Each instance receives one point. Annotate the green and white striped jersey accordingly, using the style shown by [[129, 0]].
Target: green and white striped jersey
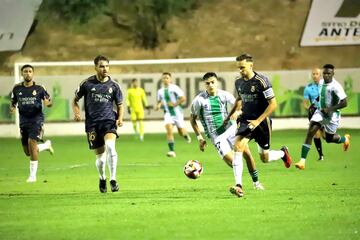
[[330, 94], [212, 110], [170, 94]]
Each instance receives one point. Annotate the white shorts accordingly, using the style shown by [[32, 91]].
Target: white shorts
[[224, 143], [177, 120], [330, 124]]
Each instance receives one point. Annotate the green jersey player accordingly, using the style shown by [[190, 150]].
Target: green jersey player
[[210, 107], [332, 98]]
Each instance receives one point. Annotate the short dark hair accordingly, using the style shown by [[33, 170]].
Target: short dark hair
[[209, 75], [166, 73], [246, 57], [27, 66], [329, 66], [134, 80], [100, 58]]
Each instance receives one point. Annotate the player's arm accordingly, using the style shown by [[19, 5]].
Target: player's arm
[[179, 101], [268, 111], [76, 109], [194, 125], [120, 114], [13, 102]]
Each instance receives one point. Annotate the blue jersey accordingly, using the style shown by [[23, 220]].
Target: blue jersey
[[311, 93], [29, 102], [99, 99], [254, 94]]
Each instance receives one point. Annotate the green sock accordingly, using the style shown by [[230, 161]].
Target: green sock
[[342, 140], [254, 175], [171, 146], [305, 150]]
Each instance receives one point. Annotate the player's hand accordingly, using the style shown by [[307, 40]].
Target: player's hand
[[12, 109], [226, 121], [253, 124], [77, 117], [202, 144], [119, 122], [171, 104], [156, 108], [47, 102]]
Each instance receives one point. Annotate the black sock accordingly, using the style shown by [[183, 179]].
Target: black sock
[[317, 142]]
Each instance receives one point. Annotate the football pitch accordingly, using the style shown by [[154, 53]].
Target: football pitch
[[157, 201]]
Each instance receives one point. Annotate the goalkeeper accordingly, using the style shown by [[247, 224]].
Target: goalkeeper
[[136, 102]]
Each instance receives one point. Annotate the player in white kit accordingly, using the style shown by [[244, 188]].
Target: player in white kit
[[170, 97], [210, 107], [332, 98]]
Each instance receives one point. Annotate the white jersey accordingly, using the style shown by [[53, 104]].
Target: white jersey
[[170, 94], [330, 94], [212, 110]]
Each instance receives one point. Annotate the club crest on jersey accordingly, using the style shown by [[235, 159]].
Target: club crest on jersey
[[34, 92], [93, 89], [206, 107], [20, 93], [252, 89], [110, 90]]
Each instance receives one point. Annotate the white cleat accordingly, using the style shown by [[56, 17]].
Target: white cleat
[[31, 179], [258, 186], [171, 154], [50, 149]]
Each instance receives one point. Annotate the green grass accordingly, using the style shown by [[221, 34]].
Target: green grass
[[157, 201]]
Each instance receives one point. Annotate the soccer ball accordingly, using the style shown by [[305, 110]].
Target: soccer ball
[[193, 169]]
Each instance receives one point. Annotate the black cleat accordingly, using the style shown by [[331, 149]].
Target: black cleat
[[114, 186], [102, 186]]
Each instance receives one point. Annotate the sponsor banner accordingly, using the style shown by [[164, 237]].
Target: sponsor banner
[[288, 87], [332, 22]]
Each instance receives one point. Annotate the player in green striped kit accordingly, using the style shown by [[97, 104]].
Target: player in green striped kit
[[210, 107], [332, 98], [170, 97]]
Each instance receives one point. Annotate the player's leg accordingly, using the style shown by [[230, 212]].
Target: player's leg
[[133, 121], [318, 145], [250, 162], [262, 135], [332, 137], [170, 140], [239, 148], [305, 148], [34, 156], [112, 158], [46, 146], [96, 143], [140, 117], [179, 122]]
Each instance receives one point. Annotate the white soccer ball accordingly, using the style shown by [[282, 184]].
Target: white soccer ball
[[193, 169]]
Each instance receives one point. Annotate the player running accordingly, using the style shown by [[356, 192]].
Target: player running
[[29, 98], [100, 93], [210, 106], [257, 101], [332, 98], [170, 97]]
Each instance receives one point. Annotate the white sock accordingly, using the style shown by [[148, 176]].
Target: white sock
[[100, 165], [43, 146], [238, 167], [33, 168], [111, 157], [275, 155]]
